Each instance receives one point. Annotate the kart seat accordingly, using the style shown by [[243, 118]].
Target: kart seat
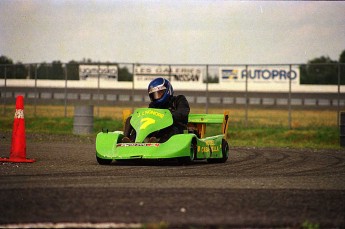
[[197, 128]]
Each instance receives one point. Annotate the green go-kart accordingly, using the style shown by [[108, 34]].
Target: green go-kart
[[185, 148]]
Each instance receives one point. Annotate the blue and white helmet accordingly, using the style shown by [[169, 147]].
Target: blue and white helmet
[[160, 91]]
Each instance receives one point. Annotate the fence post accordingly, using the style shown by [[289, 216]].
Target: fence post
[[206, 105], [246, 109], [338, 105], [65, 90], [289, 99], [98, 88], [133, 86], [35, 101], [170, 72], [5, 86]]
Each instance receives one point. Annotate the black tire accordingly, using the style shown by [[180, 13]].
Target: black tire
[[225, 154], [189, 160], [102, 161]]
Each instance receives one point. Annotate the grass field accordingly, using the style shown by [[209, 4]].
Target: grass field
[[265, 128]]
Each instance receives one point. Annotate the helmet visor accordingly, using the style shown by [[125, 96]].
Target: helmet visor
[[157, 95]]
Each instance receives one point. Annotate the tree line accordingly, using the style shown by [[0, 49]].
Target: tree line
[[322, 70], [55, 70]]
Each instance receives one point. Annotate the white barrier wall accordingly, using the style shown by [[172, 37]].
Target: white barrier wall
[[111, 84]]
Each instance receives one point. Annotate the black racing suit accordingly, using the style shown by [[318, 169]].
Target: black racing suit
[[179, 108]]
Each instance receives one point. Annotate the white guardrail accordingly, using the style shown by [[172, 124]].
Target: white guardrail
[[111, 84]]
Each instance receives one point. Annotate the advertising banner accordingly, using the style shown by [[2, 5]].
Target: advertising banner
[[92, 72], [259, 74], [174, 74]]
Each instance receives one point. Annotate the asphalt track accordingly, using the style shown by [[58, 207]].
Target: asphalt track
[[256, 187]]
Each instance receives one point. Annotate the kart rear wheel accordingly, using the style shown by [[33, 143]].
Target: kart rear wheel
[[102, 161], [225, 154], [192, 156]]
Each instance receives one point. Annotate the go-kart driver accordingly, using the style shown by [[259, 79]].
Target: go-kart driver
[[161, 94]]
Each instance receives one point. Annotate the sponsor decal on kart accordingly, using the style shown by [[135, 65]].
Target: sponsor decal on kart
[[208, 149], [151, 112], [137, 144]]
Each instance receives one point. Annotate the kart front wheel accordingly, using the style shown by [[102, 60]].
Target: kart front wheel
[[102, 161]]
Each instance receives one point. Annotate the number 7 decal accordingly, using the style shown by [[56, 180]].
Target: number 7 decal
[[146, 122]]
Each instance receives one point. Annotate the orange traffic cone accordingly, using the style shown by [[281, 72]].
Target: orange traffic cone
[[18, 147]]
